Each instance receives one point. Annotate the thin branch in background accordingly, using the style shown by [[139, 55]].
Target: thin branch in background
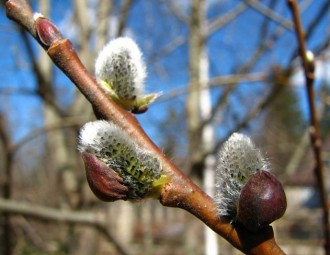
[[7, 165], [219, 81], [221, 21], [259, 107], [45, 213], [174, 8], [324, 9], [126, 7], [44, 90], [308, 64], [265, 44], [212, 27], [22, 224], [104, 10], [270, 14], [66, 122]]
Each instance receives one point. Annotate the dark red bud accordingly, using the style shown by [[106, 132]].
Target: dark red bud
[[105, 183], [47, 32], [261, 202]]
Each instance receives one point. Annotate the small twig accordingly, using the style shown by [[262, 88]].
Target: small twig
[[309, 66], [180, 192]]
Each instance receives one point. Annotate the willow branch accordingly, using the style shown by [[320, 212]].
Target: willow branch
[[180, 192], [309, 66]]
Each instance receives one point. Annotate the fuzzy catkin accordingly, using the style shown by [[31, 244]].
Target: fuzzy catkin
[[109, 143], [120, 64], [238, 159]]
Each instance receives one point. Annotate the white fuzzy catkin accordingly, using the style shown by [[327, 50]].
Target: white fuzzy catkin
[[238, 159], [110, 144], [120, 64]]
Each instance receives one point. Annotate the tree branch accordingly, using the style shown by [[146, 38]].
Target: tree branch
[[126, 7], [308, 63], [220, 81], [45, 213], [270, 14], [65, 122], [180, 192], [226, 18], [6, 185]]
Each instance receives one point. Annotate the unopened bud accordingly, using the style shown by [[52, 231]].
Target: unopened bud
[[105, 183], [47, 32], [261, 202]]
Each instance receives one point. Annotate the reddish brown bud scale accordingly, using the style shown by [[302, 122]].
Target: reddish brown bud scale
[[105, 183], [261, 202], [47, 32]]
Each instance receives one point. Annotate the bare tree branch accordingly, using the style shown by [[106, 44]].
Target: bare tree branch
[[174, 8], [45, 213], [308, 63], [65, 122], [211, 28], [126, 7], [270, 14], [6, 185], [259, 107], [219, 81], [31, 233], [226, 18], [44, 88], [102, 28]]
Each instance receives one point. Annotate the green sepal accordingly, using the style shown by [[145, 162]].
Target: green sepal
[[137, 105]]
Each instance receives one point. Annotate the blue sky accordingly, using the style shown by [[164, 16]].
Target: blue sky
[[153, 30]]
